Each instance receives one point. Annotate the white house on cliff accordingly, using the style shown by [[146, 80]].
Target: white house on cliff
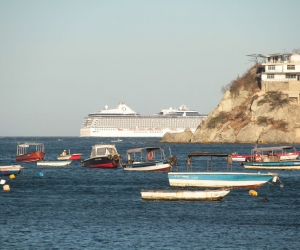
[[282, 73]]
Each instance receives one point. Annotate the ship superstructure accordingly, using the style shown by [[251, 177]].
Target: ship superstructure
[[125, 122]]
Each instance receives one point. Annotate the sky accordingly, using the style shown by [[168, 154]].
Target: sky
[[63, 59]]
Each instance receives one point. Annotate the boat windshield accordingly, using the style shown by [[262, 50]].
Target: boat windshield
[[102, 151], [111, 150]]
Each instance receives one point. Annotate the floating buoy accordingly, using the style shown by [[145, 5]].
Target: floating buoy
[[6, 188], [2, 181], [253, 193], [12, 176], [41, 174]]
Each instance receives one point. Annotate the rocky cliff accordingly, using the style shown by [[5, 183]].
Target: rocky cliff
[[246, 114]]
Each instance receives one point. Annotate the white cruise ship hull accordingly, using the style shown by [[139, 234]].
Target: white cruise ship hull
[[113, 132], [124, 122]]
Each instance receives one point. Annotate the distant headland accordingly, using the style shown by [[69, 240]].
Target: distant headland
[[262, 106]]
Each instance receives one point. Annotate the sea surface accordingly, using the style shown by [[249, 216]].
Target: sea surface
[[80, 208]]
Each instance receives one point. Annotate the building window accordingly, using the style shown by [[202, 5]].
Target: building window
[[290, 76], [271, 67], [291, 67], [270, 76]]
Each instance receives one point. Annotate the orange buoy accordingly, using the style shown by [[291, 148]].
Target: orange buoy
[[150, 155], [6, 187], [253, 193]]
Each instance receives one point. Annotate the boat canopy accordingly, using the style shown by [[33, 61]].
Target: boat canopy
[[209, 157], [272, 149], [23, 148], [137, 150]]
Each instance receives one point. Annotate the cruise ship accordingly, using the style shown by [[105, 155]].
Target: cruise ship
[[125, 122]]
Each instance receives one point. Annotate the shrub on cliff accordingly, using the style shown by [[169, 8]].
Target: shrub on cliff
[[276, 99], [222, 117], [248, 82]]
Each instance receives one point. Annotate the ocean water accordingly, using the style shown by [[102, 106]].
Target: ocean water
[[80, 208]]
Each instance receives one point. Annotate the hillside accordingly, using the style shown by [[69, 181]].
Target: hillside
[[246, 114]]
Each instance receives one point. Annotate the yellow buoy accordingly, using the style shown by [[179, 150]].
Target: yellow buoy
[[253, 193], [12, 176], [6, 187]]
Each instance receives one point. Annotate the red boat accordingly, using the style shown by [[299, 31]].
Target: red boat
[[240, 158], [72, 157], [284, 153], [30, 152]]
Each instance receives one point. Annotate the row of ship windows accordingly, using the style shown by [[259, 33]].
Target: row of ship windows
[[131, 125], [141, 126], [144, 123], [153, 131], [289, 67], [120, 129]]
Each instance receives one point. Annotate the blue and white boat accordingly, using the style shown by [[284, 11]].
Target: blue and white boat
[[11, 169], [212, 179], [277, 165]]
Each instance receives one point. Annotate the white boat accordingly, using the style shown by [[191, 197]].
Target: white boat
[[53, 163], [195, 195], [125, 122], [149, 159], [119, 140]]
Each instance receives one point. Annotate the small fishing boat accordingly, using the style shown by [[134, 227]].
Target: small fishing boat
[[71, 157], [186, 195], [102, 156], [278, 153], [119, 140], [277, 165], [53, 163], [30, 152], [11, 169], [211, 179], [150, 159]]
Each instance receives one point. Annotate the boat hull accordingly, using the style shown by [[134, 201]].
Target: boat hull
[[72, 157], [114, 132], [53, 163], [8, 170], [174, 195], [148, 167], [31, 157], [281, 165], [240, 158], [99, 162], [218, 179]]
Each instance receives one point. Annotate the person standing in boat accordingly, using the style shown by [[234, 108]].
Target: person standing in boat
[[63, 153]]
